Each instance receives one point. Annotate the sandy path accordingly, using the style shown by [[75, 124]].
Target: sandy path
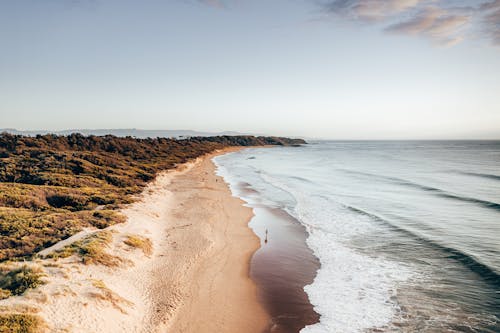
[[70, 240]]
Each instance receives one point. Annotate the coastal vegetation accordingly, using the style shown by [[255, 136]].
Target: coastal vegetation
[[52, 187], [107, 295], [20, 323], [141, 243], [16, 281], [91, 249]]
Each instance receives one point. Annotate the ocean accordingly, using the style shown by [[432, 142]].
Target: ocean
[[378, 236]]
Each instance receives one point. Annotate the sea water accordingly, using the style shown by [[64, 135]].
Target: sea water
[[407, 233]]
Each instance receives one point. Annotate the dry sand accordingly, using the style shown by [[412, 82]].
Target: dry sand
[[196, 280]]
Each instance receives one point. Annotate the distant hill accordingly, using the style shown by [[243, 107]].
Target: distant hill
[[133, 132]]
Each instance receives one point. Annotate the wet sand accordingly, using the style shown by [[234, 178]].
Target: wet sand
[[281, 268]]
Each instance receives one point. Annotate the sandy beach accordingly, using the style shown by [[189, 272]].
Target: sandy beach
[[196, 279], [209, 234]]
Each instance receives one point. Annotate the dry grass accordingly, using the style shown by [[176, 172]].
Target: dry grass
[[140, 242], [4, 294], [106, 294], [20, 323], [25, 232], [91, 249], [39, 296], [63, 291], [52, 265], [20, 319], [19, 308]]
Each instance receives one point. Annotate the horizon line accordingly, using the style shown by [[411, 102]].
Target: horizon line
[[237, 133]]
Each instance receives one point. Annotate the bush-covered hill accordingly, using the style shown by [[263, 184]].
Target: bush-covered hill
[[53, 186]]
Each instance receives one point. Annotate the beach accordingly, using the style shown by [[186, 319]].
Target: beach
[[211, 232], [282, 240], [195, 279]]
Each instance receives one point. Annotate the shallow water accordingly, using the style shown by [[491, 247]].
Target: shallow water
[[407, 233]]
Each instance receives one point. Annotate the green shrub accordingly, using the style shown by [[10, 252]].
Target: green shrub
[[68, 201], [19, 280]]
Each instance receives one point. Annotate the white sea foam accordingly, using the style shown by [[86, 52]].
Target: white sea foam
[[352, 291], [366, 257]]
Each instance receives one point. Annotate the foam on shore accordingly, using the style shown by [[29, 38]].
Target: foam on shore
[[352, 292]]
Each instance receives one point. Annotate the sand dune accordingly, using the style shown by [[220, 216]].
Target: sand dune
[[195, 280]]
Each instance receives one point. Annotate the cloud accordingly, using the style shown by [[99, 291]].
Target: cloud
[[369, 10], [444, 22], [417, 24], [434, 23], [491, 20]]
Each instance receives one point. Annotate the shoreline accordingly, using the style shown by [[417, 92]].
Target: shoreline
[[283, 264], [282, 267], [195, 280]]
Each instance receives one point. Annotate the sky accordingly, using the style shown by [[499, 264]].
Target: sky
[[337, 69]]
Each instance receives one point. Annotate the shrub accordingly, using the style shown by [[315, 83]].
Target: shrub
[[68, 201], [92, 250], [140, 242], [20, 279], [20, 323], [4, 294]]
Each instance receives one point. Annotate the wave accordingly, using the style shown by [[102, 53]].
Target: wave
[[484, 203], [356, 289], [352, 292], [481, 175], [437, 191], [448, 195], [302, 179], [487, 273]]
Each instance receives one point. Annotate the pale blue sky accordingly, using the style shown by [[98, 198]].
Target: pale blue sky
[[345, 69]]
